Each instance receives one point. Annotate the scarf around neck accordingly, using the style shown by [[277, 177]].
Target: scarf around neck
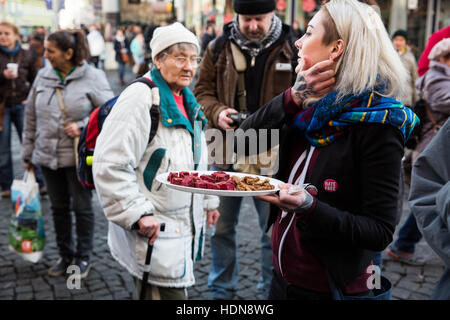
[[255, 48], [11, 52], [169, 111], [327, 118]]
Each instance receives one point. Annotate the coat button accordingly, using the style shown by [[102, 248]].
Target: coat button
[[203, 117], [197, 145], [169, 120], [177, 230]]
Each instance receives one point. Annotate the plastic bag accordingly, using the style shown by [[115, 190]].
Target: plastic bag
[[26, 227]]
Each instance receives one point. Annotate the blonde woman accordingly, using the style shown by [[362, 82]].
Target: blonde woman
[[343, 133]]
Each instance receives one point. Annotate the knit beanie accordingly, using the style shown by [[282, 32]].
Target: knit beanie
[[253, 6], [440, 49], [164, 37], [401, 33]]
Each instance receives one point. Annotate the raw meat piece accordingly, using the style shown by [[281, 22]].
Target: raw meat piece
[[201, 184], [208, 178], [211, 185], [177, 181], [188, 181], [225, 185]]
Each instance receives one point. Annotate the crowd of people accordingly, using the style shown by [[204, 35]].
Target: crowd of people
[[344, 113]]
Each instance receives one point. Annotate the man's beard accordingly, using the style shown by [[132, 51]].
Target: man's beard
[[256, 36]]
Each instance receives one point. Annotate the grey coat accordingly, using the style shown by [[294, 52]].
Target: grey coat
[[434, 87], [429, 199], [45, 141]]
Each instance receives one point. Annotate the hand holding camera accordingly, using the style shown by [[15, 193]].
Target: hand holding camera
[[231, 119]]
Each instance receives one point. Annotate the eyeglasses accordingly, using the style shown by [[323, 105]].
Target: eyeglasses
[[180, 61]]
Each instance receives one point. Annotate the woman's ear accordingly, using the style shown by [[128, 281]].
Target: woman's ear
[[69, 54], [337, 50], [157, 62]]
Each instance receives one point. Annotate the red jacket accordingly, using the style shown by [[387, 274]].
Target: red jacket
[[422, 66]]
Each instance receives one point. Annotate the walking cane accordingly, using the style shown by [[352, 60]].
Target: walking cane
[[148, 259]]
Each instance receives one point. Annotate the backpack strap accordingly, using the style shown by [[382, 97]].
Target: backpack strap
[[154, 109], [218, 45]]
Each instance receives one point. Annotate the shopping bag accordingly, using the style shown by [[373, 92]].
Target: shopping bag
[[26, 227]]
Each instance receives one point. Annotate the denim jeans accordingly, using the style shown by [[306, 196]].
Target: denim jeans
[[13, 116], [121, 70], [62, 187], [224, 273], [409, 235]]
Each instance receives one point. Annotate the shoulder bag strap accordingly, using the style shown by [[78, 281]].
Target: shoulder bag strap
[[61, 104], [240, 63]]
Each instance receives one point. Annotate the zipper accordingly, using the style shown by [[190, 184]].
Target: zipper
[[282, 242], [160, 184], [13, 81], [300, 181]]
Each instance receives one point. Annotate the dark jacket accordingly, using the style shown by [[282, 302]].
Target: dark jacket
[[217, 78], [16, 90], [118, 47], [346, 227]]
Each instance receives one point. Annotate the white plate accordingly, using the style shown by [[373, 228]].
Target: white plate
[[224, 193]]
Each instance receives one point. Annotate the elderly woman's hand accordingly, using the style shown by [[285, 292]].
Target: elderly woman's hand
[[149, 227], [313, 81], [72, 130]]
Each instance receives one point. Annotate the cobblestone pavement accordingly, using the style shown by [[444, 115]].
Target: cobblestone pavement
[[107, 280]]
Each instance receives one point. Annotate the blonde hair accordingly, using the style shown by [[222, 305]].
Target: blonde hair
[[369, 57]]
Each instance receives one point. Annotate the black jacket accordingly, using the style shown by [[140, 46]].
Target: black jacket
[[118, 48], [16, 90], [349, 226]]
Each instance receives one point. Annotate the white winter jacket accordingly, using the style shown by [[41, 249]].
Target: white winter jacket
[[124, 168]]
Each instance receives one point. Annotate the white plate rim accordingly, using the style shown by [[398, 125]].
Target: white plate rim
[[162, 178]]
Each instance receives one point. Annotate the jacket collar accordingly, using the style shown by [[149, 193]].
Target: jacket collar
[[170, 114], [50, 74], [286, 33]]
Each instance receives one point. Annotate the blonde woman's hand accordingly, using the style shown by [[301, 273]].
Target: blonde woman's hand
[[72, 130], [313, 81], [212, 216], [285, 201]]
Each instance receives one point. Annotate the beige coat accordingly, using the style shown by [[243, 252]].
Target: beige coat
[[409, 61]]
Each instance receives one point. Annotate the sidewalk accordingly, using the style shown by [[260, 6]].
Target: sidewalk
[[107, 280]]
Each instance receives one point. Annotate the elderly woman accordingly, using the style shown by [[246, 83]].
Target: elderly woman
[[342, 133], [125, 166], [51, 125]]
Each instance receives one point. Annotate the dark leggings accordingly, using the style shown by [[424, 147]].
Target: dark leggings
[[67, 194]]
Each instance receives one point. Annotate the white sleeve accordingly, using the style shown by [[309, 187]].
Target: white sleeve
[[119, 149]]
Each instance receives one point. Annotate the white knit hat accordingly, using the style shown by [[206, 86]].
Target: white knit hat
[[440, 49], [164, 37]]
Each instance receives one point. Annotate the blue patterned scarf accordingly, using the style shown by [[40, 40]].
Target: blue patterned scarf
[[326, 119]]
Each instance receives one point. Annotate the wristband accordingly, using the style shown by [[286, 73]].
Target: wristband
[[306, 205]]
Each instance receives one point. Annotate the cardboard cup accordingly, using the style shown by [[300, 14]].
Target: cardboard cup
[[14, 67]]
